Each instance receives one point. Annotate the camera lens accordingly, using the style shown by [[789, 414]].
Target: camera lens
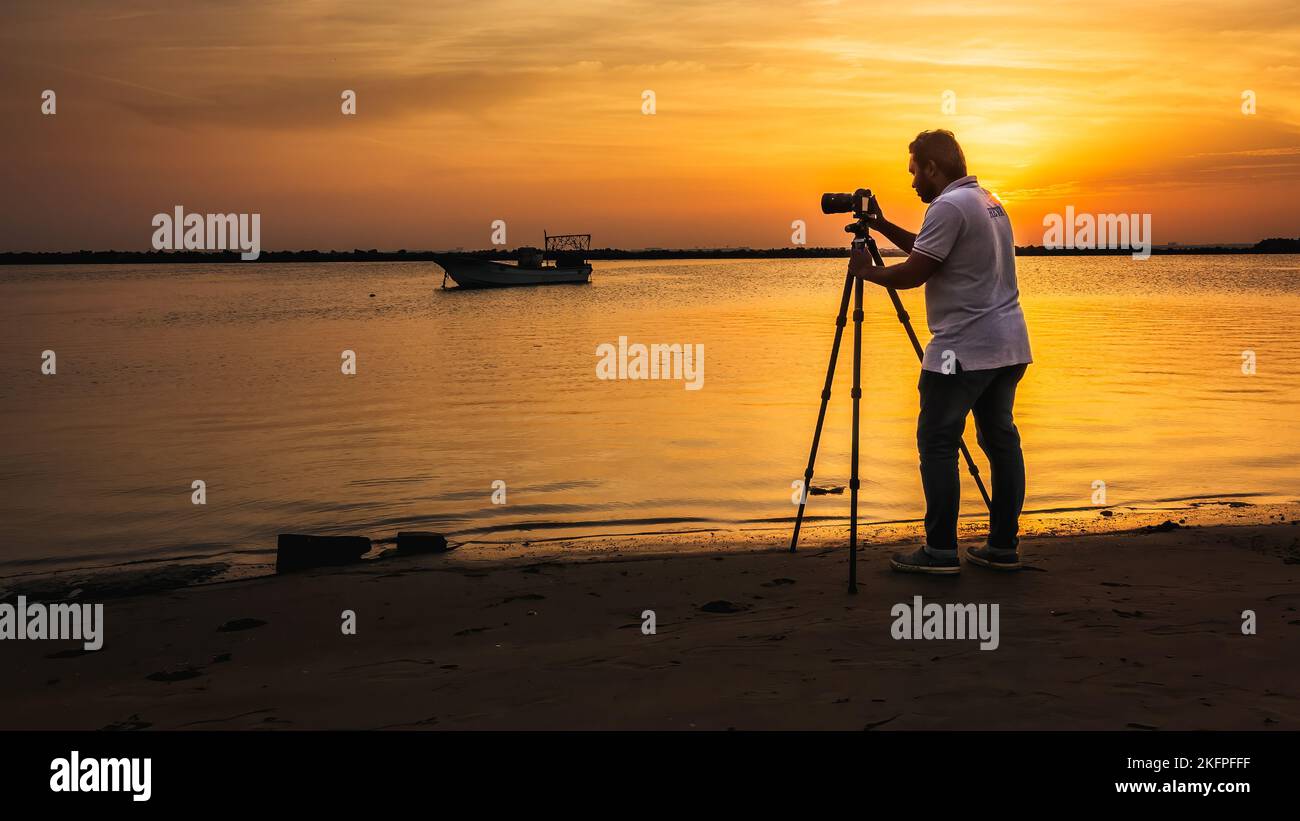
[[837, 203]]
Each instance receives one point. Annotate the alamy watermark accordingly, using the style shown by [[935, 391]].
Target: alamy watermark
[[1098, 231], [77, 774], [180, 231], [656, 361], [946, 621], [82, 622]]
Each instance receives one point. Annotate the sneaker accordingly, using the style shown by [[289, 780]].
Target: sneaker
[[921, 561], [994, 559]]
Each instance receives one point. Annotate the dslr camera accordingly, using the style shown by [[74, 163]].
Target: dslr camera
[[860, 203]]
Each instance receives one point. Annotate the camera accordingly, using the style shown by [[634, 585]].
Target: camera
[[859, 203]]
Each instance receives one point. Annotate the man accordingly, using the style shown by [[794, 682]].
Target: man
[[978, 351]]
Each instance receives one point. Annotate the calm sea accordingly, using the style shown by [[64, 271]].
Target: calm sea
[[231, 375]]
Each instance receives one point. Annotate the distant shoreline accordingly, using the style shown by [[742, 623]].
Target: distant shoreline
[[1266, 246]]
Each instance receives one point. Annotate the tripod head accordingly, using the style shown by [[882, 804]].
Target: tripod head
[[861, 232], [864, 207]]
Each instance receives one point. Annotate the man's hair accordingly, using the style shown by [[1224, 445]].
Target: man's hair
[[940, 146]]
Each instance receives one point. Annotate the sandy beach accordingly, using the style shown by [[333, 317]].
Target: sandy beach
[[1131, 621]]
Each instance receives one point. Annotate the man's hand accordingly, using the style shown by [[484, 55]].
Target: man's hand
[[910, 273], [875, 218], [861, 263]]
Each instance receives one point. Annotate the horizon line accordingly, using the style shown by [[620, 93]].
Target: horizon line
[[611, 249]]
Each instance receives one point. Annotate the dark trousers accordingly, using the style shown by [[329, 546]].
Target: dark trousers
[[945, 401]]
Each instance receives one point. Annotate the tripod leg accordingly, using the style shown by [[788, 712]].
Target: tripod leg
[[853, 470], [920, 354], [821, 413]]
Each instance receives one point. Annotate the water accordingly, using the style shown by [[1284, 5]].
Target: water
[[231, 375]]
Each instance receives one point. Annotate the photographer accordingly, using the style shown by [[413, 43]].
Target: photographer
[[978, 351]]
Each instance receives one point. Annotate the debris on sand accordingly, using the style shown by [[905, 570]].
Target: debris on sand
[[177, 674], [724, 606], [134, 722], [816, 490], [421, 541], [301, 551], [1163, 527], [240, 624]]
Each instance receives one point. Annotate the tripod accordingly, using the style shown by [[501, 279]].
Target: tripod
[[861, 239]]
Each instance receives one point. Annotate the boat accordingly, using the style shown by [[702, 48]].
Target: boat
[[563, 260]]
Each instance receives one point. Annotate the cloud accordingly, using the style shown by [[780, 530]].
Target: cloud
[[221, 100]]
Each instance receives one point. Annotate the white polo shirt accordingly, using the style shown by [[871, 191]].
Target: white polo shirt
[[972, 303]]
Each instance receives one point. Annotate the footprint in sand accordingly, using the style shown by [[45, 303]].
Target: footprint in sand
[[723, 606], [176, 674], [69, 654], [240, 624], [132, 723], [521, 597]]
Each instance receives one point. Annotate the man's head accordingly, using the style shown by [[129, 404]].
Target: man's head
[[936, 160]]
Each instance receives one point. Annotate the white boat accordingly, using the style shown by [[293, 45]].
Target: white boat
[[563, 261]]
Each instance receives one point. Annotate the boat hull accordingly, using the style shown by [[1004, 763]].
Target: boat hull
[[473, 272]]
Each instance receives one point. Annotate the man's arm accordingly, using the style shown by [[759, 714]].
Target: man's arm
[[901, 237], [910, 273]]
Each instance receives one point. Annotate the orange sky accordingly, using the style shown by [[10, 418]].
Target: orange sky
[[531, 112]]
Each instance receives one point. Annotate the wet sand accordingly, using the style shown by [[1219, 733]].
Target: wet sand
[[1136, 628]]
